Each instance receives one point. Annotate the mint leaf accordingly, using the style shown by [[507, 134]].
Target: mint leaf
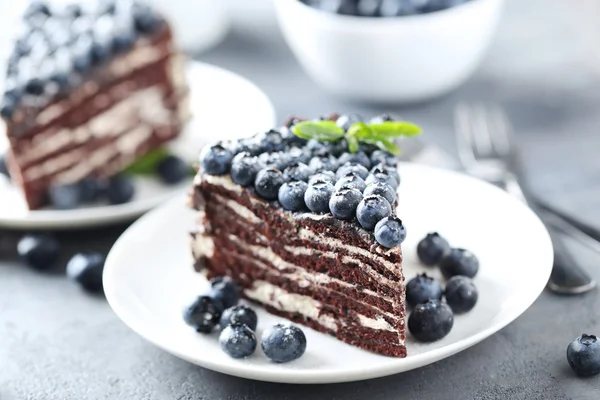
[[388, 146], [146, 164], [323, 131], [395, 129], [353, 144]]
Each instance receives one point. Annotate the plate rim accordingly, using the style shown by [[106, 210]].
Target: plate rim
[[294, 376]]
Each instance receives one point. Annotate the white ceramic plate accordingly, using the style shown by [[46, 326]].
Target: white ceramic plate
[[148, 279], [216, 96]]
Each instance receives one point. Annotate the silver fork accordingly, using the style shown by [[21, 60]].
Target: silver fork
[[486, 150]]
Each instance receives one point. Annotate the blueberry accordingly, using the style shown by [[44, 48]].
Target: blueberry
[[73, 11], [248, 145], [267, 183], [368, 8], [347, 168], [278, 160], [459, 262], [203, 314], [430, 321], [345, 121], [359, 157], [244, 168], [7, 108], [351, 180], [120, 189], [35, 87], [290, 139], [239, 315], [283, 343], [299, 155], [172, 170], [216, 159], [224, 290], [323, 176], [100, 52], [86, 269], [438, 5], [383, 190], [461, 294], [90, 189], [383, 157], [393, 8], [123, 39], [39, 251], [37, 8], [317, 197], [422, 288], [390, 232], [291, 195], [381, 119], [432, 248], [346, 7], [297, 171], [383, 178], [65, 197], [238, 341], [3, 167], [343, 203], [371, 210], [82, 53], [145, 21], [271, 141], [386, 169], [316, 147], [583, 355], [323, 163]]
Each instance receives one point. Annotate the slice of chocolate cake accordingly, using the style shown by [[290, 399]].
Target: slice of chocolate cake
[[89, 88], [307, 228]]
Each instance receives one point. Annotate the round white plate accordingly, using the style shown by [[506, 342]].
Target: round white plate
[[148, 279], [224, 106]]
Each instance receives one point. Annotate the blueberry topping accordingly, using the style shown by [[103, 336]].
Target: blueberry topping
[[343, 203], [3, 167], [224, 290], [146, 22], [248, 145], [291, 195], [73, 11], [37, 8], [271, 141], [323, 163], [244, 169], [297, 171], [371, 210], [351, 180], [283, 343], [359, 157], [432, 248], [381, 189], [238, 341], [203, 314], [91, 189], [299, 155], [347, 168], [386, 169], [316, 147], [82, 53], [216, 159], [279, 160], [379, 119], [344, 121], [290, 139], [7, 108], [35, 87], [317, 197], [390, 232], [239, 315], [39, 251], [430, 321], [383, 157], [459, 262], [583, 355], [172, 170], [86, 269], [267, 183], [120, 189], [123, 39], [323, 176], [461, 294], [384, 178], [65, 197], [422, 288]]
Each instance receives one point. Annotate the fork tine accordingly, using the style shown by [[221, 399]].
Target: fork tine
[[463, 135], [502, 137], [481, 131]]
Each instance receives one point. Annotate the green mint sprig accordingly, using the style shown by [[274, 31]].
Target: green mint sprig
[[380, 134]]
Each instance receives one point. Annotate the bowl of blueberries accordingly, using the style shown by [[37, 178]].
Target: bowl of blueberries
[[388, 51]]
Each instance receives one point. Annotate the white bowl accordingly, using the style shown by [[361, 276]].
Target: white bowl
[[399, 59]]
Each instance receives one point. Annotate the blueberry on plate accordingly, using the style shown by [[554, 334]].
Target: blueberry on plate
[[430, 321], [65, 197], [291, 195], [359, 157], [203, 314], [216, 159], [422, 288], [351, 180], [297, 171], [86, 269], [271, 141], [459, 262], [317, 197], [381, 189], [432, 248], [267, 183], [225, 290], [383, 157], [347, 168], [172, 170], [371, 210], [244, 168], [238, 341], [91, 189], [345, 121], [39, 251], [120, 189], [323, 176], [383, 178], [239, 315], [390, 232], [283, 343], [3, 167], [461, 294], [343, 203], [583, 355], [323, 163]]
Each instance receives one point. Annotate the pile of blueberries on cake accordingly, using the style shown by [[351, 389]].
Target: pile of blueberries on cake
[[382, 8], [315, 176]]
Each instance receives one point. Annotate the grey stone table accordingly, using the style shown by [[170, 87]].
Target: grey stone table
[[57, 343]]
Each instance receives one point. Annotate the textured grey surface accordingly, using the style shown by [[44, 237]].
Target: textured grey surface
[[57, 343]]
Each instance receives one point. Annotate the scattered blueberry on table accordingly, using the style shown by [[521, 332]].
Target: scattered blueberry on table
[[65, 197], [422, 288], [430, 321], [459, 262], [461, 294], [583, 355], [39, 251], [203, 314], [432, 248], [382, 8], [238, 340], [120, 189], [172, 170], [86, 269], [239, 314], [283, 343]]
